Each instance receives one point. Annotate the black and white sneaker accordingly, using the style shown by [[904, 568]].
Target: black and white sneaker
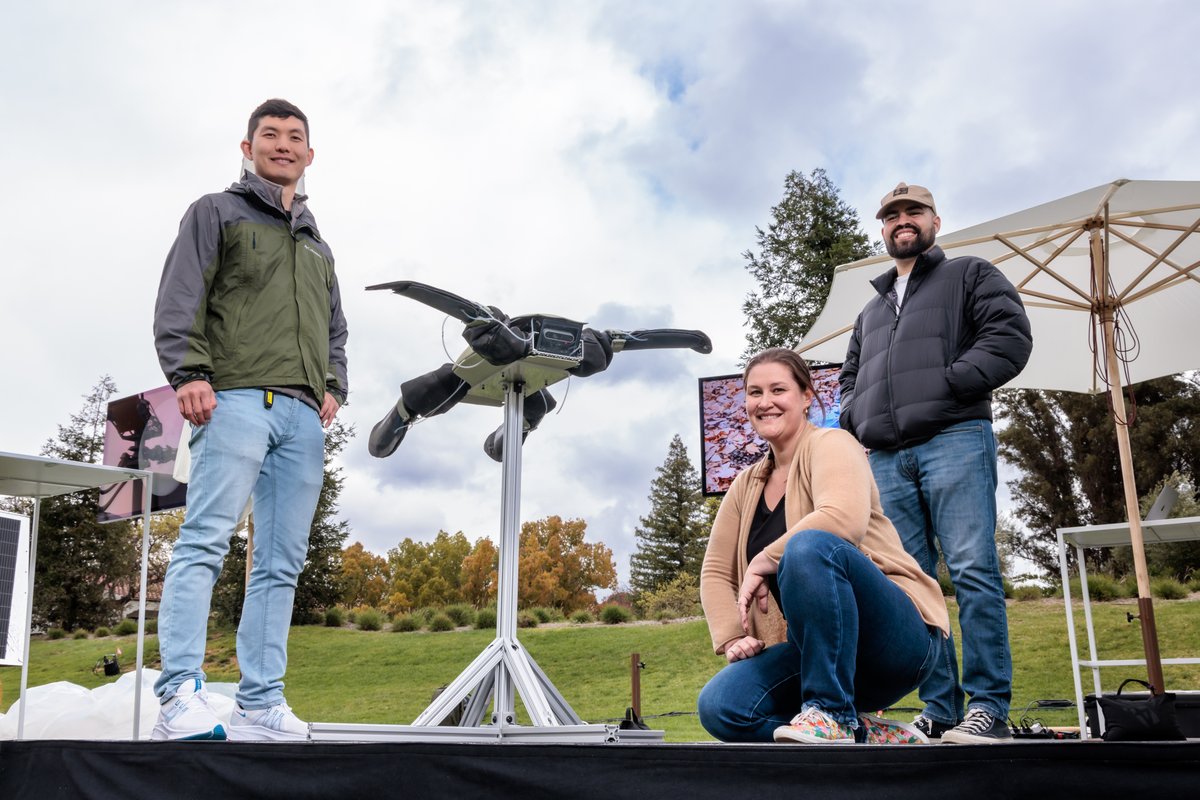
[[931, 728], [979, 727]]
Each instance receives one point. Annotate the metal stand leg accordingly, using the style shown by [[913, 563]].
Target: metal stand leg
[[504, 669]]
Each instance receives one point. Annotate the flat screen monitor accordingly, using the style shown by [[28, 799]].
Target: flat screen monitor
[[730, 443], [143, 432]]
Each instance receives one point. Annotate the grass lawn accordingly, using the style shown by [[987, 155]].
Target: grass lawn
[[346, 675]]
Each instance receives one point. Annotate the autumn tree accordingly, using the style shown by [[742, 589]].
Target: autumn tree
[[672, 538], [479, 574], [1064, 447], [558, 568], [364, 578], [811, 231], [427, 573], [86, 570]]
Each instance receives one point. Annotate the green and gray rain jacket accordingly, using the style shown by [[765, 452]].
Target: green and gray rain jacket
[[248, 296]]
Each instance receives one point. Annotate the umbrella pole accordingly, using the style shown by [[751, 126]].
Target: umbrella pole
[[1145, 603]]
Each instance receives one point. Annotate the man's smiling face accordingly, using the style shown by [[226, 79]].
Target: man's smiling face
[[279, 150], [909, 229]]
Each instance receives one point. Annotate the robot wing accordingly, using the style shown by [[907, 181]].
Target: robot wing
[[463, 310], [660, 339]]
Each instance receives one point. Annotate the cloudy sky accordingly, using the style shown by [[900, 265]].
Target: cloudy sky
[[604, 161]]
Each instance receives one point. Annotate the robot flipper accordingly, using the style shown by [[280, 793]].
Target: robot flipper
[[660, 339], [462, 309]]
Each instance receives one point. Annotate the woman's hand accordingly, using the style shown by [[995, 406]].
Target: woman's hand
[[754, 587], [746, 647]]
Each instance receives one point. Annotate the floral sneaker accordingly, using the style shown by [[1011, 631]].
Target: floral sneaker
[[889, 731], [814, 726]]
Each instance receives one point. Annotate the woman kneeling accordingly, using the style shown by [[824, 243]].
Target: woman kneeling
[[806, 587]]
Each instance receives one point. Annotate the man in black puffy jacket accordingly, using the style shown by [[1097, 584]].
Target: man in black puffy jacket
[[923, 360]]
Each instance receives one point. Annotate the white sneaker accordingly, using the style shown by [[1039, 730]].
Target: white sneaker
[[275, 724], [187, 715]]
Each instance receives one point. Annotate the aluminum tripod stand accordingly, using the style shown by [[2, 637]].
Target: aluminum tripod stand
[[504, 669]]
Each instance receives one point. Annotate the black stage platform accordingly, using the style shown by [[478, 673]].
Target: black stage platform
[[45, 770]]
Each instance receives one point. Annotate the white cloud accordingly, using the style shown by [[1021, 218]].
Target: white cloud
[[606, 162]]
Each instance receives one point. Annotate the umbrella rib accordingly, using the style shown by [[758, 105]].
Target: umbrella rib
[[805, 346], [1185, 274], [1043, 266], [1159, 258], [1057, 303]]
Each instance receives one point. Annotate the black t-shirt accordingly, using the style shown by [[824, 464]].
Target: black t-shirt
[[767, 526]]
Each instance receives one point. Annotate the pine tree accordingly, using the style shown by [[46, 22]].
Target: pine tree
[[811, 232], [671, 540], [85, 570]]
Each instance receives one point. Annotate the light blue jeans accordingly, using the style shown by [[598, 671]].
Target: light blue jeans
[[856, 643], [278, 454], [944, 491]]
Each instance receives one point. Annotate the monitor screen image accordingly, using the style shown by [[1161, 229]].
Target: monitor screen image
[[143, 432], [730, 443]]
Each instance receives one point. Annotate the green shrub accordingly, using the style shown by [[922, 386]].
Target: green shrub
[[543, 614], [582, 617], [406, 623], [352, 615], [101, 632], [615, 615], [424, 615], [526, 619], [678, 597], [441, 622], [79, 634], [1101, 588], [946, 585], [335, 617], [1027, 592], [1194, 583], [370, 619], [1168, 589], [55, 633], [152, 625], [125, 627], [486, 618], [461, 613]]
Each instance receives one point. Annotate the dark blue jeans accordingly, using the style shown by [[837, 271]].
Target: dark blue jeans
[[944, 491], [855, 642]]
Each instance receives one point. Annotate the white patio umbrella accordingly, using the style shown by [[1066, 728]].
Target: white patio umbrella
[[1110, 278]]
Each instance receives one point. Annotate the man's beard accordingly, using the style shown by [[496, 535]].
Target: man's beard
[[913, 247]]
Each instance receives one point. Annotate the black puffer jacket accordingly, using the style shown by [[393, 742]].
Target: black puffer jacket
[[960, 333]]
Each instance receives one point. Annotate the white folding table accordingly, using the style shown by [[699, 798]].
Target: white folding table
[[38, 478], [1184, 529]]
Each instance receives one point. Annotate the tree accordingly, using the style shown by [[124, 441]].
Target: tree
[[364, 578], [672, 538], [811, 231], [427, 573], [479, 574], [1065, 449], [557, 568], [319, 585], [86, 570]]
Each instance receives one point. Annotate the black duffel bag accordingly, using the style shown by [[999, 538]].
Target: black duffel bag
[[1144, 718]]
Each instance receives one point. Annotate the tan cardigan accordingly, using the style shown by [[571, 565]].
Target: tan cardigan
[[830, 488]]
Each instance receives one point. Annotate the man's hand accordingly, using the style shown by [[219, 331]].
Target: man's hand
[[196, 401], [329, 410]]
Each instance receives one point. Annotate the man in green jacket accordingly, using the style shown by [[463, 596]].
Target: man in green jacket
[[249, 330]]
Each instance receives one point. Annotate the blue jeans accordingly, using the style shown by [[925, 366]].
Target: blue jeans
[[855, 642], [944, 491], [278, 454]]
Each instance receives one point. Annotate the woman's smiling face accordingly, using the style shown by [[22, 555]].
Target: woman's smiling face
[[775, 403]]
